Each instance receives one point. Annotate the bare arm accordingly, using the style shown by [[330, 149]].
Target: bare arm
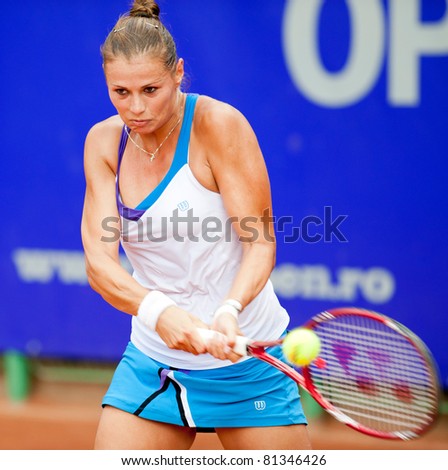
[[100, 231], [100, 227], [240, 173]]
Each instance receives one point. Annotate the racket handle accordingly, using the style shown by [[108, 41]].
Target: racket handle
[[240, 344]]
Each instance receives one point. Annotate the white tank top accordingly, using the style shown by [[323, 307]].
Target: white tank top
[[179, 241]]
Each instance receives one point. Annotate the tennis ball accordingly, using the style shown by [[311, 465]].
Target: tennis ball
[[301, 346]]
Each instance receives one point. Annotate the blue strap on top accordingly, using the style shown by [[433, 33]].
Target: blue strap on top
[[179, 160], [180, 156]]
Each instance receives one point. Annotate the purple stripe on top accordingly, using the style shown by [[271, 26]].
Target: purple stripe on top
[[126, 212]]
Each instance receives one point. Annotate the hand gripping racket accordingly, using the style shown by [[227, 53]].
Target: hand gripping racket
[[373, 374]]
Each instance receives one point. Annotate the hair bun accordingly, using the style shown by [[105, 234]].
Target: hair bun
[[145, 9]]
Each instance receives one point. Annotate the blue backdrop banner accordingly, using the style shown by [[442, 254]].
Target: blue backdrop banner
[[349, 100]]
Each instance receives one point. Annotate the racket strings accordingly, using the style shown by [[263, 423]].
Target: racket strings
[[406, 365], [340, 388], [408, 371], [374, 375], [385, 411]]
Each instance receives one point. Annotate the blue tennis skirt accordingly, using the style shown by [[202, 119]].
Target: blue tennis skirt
[[250, 393]]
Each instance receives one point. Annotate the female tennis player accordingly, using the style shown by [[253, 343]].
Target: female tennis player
[[179, 180]]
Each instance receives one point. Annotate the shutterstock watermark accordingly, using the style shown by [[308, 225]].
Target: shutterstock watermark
[[312, 228], [182, 226]]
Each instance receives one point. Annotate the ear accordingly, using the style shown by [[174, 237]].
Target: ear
[[179, 73]]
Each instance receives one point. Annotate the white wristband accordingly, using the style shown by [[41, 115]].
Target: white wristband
[[234, 303], [153, 305], [231, 306]]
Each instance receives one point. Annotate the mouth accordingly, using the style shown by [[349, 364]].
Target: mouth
[[138, 122]]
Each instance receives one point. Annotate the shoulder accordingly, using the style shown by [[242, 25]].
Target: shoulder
[[222, 133], [105, 130], [103, 139], [214, 118]]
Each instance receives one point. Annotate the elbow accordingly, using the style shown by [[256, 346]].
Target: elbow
[[270, 245], [93, 274], [274, 261], [273, 258], [92, 278]]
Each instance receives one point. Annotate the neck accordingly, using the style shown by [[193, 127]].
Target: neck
[[168, 129], [153, 140]]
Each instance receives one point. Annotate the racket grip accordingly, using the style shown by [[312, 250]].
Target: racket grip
[[240, 344]]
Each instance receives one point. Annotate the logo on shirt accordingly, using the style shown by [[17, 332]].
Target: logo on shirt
[[260, 405], [183, 206]]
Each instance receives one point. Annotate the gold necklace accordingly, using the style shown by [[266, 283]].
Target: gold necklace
[[152, 155]]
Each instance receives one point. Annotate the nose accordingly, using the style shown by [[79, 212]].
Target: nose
[[137, 105]]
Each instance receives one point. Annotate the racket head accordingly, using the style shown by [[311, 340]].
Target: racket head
[[373, 374]]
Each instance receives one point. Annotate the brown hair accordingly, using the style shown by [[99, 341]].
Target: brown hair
[[141, 32]]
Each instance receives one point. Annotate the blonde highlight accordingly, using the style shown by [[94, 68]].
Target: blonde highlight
[[141, 32]]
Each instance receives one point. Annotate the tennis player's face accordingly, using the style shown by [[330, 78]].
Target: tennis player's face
[[143, 92]]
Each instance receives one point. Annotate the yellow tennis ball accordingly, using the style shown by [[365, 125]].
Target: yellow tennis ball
[[301, 346]]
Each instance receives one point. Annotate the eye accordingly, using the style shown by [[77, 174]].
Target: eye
[[150, 89], [120, 91]]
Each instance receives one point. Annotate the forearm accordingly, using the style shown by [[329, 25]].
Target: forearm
[[109, 279], [256, 266]]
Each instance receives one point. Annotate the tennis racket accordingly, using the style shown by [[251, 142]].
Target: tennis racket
[[373, 374]]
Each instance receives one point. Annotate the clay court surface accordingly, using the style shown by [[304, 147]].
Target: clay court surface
[[64, 416]]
